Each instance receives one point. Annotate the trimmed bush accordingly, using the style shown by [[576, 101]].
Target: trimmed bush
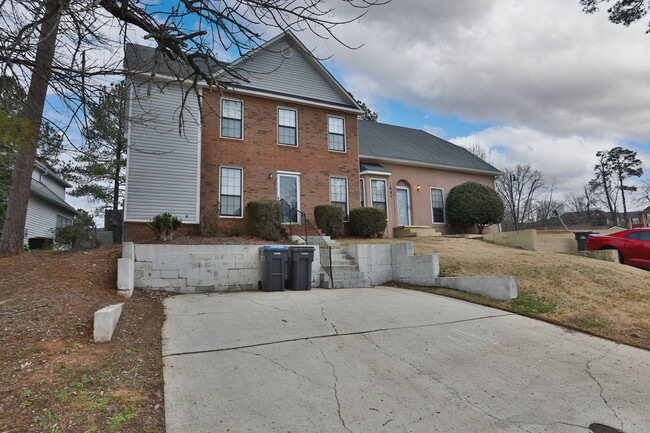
[[329, 218], [79, 234], [367, 221], [264, 219], [164, 225], [472, 203]]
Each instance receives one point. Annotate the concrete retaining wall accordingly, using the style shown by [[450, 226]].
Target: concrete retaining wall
[[500, 288], [524, 239], [394, 262], [533, 240], [607, 255], [202, 268]]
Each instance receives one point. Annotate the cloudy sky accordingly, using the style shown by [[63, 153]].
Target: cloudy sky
[[533, 81]]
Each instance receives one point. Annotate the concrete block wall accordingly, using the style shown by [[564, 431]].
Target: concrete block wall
[[202, 268], [394, 262]]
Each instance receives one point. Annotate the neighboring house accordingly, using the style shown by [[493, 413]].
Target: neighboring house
[[288, 131], [639, 219], [46, 208]]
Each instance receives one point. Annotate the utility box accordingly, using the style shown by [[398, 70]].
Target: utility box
[[274, 268], [300, 260]]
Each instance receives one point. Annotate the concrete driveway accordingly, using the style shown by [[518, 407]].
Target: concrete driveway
[[388, 360]]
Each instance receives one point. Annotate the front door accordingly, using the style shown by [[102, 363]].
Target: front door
[[403, 207], [289, 191]]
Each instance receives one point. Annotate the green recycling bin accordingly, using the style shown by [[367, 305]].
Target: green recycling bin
[[274, 268], [300, 260]]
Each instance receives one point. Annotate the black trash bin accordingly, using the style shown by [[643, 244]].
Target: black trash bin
[[274, 268], [40, 243], [300, 259], [581, 237]]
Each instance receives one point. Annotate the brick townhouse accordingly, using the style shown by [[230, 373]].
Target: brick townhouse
[[288, 130]]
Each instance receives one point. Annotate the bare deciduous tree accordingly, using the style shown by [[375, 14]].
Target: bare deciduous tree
[[519, 187], [53, 46]]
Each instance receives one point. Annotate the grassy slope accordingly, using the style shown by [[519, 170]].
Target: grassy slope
[[602, 298]]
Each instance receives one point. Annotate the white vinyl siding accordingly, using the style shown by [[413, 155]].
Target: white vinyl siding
[[268, 70], [41, 218], [287, 127], [339, 193], [162, 166], [232, 118], [336, 133], [230, 196], [378, 196], [437, 206]]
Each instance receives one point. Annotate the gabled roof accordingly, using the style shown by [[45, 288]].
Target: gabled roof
[[49, 172], [382, 142], [281, 67], [39, 190]]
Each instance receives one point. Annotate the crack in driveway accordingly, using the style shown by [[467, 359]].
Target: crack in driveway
[[600, 387]]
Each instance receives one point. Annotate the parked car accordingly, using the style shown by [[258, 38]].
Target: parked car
[[633, 246]]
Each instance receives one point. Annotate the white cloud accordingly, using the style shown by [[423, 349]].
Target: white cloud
[[544, 65]]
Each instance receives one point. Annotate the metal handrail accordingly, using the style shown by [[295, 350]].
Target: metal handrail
[[325, 256]]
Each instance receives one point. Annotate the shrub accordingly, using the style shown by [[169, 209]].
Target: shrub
[[164, 225], [472, 203], [264, 218], [329, 218], [367, 221], [210, 220], [81, 233]]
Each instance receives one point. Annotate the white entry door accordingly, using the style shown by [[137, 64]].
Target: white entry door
[[403, 206], [289, 191]]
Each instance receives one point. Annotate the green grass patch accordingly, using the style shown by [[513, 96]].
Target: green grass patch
[[595, 323], [530, 305]]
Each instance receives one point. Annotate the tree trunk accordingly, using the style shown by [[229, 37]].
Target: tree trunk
[[13, 233]]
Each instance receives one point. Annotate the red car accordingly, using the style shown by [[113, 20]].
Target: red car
[[633, 246]]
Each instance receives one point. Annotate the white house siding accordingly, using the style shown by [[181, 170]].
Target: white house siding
[[162, 166], [54, 186], [270, 71], [41, 218]]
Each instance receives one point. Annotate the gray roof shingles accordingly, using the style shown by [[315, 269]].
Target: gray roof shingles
[[381, 140]]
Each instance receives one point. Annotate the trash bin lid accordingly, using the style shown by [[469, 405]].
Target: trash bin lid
[[271, 247]]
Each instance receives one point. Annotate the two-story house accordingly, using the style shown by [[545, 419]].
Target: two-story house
[[284, 128], [47, 209]]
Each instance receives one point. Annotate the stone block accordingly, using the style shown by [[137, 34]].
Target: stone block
[[105, 321], [169, 274], [125, 277], [128, 250]]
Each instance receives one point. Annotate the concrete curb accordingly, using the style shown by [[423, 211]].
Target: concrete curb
[[499, 288], [105, 321], [125, 277]]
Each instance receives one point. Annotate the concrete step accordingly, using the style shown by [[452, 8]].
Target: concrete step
[[345, 268], [344, 283], [348, 275], [413, 231], [343, 262]]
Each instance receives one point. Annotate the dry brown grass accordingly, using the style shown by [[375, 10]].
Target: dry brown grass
[[602, 298]]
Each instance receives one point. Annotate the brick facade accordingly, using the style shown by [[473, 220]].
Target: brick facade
[[260, 155]]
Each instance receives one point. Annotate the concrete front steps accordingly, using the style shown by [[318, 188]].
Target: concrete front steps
[[346, 273], [414, 231]]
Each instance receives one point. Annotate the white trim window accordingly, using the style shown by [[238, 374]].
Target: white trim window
[[437, 206], [362, 190], [230, 192], [339, 193], [378, 195], [287, 127], [232, 115], [62, 221], [336, 133]]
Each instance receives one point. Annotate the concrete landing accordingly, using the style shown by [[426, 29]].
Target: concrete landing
[[388, 360]]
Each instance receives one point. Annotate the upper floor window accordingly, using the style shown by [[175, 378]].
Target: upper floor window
[[339, 193], [378, 195], [232, 118], [230, 197], [437, 205], [336, 133], [287, 131]]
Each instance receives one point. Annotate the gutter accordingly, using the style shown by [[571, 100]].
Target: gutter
[[371, 158]]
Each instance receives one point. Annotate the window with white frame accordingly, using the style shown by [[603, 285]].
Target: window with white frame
[[339, 193], [62, 221], [230, 187], [231, 118], [636, 220], [336, 133], [287, 131], [378, 195], [437, 205], [362, 190]]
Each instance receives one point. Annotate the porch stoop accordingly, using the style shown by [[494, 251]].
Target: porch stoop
[[346, 272], [414, 231]]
